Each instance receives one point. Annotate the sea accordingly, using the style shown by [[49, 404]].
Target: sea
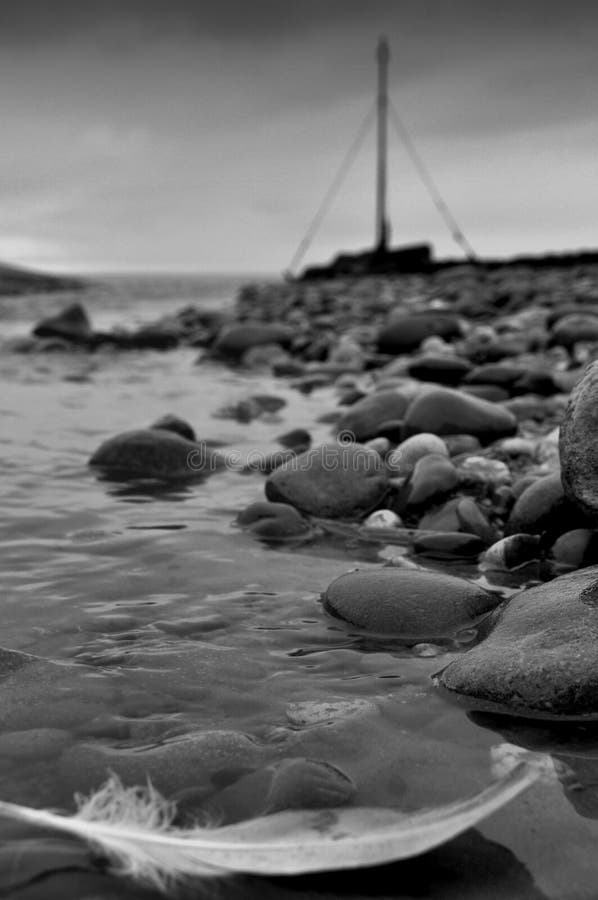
[[163, 618]]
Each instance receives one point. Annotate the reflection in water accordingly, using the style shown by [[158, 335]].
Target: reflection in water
[[573, 747]]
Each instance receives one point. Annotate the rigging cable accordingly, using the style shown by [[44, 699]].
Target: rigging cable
[[429, 183], [332, 190]]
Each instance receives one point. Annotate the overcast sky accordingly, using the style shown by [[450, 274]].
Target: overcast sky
[[163, 134]]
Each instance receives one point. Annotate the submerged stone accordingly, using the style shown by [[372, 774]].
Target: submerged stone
[[541, 657], [155, 453], [406, 602]]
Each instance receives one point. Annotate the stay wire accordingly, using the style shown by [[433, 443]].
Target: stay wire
[[430, 185], [332, 191]]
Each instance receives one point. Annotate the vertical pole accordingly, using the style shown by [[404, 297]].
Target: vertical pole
[[382, 55]]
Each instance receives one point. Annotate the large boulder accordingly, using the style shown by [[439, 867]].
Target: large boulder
[[155, 453], [332, 480], [409, 603], [447, 411], [364, 418], [541, 658], [578, 444], [404, 332], [71, 324]]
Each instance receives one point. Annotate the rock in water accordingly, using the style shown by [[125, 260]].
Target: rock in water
[[578, 444], [446, 411], [541, 658], [332, 480], [155, 453], [72, 324], [406, 602]]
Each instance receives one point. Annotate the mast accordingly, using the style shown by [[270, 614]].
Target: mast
[[382, 225]]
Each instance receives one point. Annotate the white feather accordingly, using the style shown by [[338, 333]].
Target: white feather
[[132, 826]]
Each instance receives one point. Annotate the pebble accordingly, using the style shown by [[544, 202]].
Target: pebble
[[510, 553], [543, 507], [442, 369], [404, 457], [403, 333], [541, 657], [176, 425], [406, 602], [383, 518], [447, 411], [274, 521], [298, 439], [448, 545], [332, 480], [433, 477], [362, 421]]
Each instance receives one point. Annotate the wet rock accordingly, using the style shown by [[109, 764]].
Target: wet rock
[[406, 602], [543, 507], [234, 340], [402, 460], [403, 333], [380, 444], [154, 453], [332, 480], [72, 324], [268, 462], [274, 521], [176, 425], [448, 545], [446, 411], [517, 446], [449, 370], [364, 418], [434, 476], [541, 657], [579, 444], [510, 553], [576, 549]]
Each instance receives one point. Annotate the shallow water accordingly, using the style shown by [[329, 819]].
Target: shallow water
[[167, 619]]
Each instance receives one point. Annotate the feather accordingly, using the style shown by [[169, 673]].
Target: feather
[[132, 826]]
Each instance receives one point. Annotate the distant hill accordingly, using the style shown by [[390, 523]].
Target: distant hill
[[14, 280]]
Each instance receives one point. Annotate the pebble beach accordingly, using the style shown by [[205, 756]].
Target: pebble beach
[[279, 545]]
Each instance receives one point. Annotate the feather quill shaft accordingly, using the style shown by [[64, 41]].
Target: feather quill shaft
[[132, 827]]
